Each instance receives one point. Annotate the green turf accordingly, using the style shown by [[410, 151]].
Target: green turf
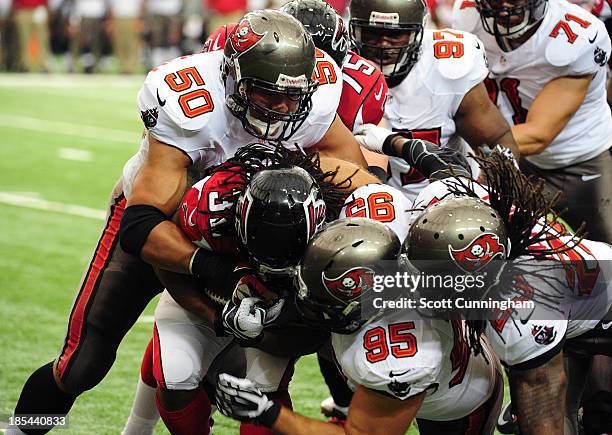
[[43, 253]]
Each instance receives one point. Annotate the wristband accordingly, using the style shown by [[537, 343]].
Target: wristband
[[270, 415]]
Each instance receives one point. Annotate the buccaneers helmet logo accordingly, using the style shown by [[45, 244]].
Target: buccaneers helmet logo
[[351, 284], [543, 334], [243, 38], [478, 253]]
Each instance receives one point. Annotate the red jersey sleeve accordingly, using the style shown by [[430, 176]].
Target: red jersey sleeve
[[364, 92]]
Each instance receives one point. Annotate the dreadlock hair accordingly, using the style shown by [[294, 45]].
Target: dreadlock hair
[[532, 225], [256, 157]]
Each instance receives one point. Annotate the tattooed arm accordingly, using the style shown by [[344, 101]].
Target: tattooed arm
[[539, 396]]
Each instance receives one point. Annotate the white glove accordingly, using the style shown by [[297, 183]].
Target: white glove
[[372, 137], [241, 399], [245, 320]]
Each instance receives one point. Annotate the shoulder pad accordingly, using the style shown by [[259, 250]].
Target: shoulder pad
[[382, 203], [164, 89], [580, 42], [453, 62], [438, 190], [206, 210], [364, 92], [325, 102], [465, 16]]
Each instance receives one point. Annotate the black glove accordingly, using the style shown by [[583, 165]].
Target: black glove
[[240, 399], [434, 162]]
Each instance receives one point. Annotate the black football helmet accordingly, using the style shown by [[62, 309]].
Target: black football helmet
[[510, 22], [279, 212], [392, 18], [324, 24], [269, 52], [338, 270]]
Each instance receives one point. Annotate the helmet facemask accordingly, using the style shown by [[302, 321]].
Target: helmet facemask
[[264, 122], [510, 22], [337, 318], [395, 61], [268, 67]]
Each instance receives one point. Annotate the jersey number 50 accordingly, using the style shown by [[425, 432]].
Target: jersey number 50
[[193, 103]]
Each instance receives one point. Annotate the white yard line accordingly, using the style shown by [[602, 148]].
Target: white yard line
[[58, 207], [75, 154], [70, 81], [68, 128]]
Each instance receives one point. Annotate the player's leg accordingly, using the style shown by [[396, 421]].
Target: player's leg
[[337, 405], [587, 194], [144, 415], [590, 384], [597, 398], [115, 289], [184, 348], [272, 375]]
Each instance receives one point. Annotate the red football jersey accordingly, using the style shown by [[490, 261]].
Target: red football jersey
[[206, 215], [216, 40], [363, 93]]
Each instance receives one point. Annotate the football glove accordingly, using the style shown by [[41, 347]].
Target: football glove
[[372, 137], [241, 399], [244, 320]]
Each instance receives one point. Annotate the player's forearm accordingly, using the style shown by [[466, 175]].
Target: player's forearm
[[288, 422], [186, 292], [164, 239], [539, 395], [530, 138], [507, 141]]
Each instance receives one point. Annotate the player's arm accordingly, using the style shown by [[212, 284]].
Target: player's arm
[[146, 230], [340, 143], [370, 412], [480, 122], [550, 112], [539, 396], [428, 158]]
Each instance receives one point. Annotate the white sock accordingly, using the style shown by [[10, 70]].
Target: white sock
[[144, 414]]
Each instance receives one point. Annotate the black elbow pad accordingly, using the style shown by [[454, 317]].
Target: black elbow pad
[[136, 224]]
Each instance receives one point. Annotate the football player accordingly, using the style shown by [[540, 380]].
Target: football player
[[364, 89], [368, 199], [567, 277], [269, 83], [435, 78], [548, 76], [403, 365]]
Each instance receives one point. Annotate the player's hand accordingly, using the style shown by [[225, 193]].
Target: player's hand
[[372, 137], [241, 399], [246, 284], [245, 320]]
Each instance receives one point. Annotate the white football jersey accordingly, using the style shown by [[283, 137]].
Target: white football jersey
[[381, 203], [182, 104], [426, 101], [569, 42], [580, 286], [404, 354]]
